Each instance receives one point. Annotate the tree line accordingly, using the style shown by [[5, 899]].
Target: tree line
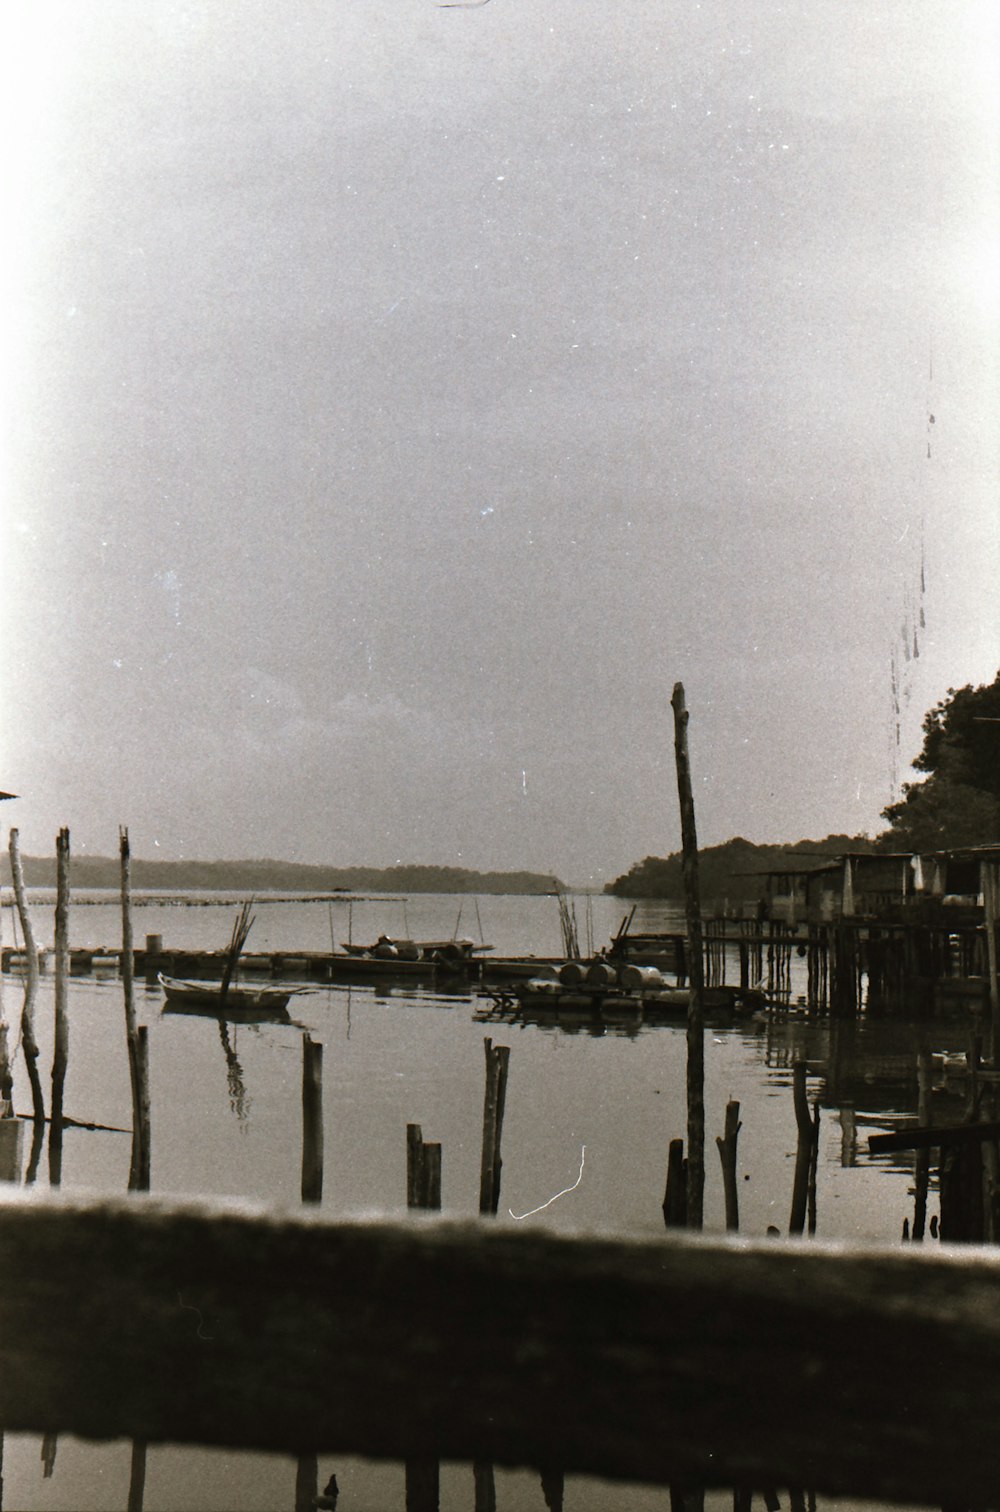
[[955, 802]]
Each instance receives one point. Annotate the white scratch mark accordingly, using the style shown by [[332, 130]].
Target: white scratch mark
[[524, 782], [187, 1306], [518, 1216]]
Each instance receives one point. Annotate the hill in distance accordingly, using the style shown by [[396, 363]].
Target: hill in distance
[[278, 876]]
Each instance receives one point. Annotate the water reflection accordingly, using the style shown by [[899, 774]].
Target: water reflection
[[238, 1100]]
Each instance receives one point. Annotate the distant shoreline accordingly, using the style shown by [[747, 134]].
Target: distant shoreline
[[322, 883]]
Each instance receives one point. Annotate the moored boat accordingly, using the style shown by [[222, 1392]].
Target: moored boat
[[235, 1002]]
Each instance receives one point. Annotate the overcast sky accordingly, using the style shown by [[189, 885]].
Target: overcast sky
[[402, 398]]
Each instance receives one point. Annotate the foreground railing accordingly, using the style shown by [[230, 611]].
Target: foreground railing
[[768, 1363]]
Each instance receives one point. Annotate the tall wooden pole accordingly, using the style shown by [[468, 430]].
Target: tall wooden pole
[[60, 1051], [696, 970], [497, 1058], [131, 1025]]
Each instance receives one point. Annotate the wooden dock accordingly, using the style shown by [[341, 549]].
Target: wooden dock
[[683, 1360]]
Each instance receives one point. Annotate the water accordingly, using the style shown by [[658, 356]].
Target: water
[[588, 1116]]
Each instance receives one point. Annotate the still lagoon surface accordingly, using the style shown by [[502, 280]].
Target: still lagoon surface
[[589, 1115]]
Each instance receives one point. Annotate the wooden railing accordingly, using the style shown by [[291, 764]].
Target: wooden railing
[[683, 1359]]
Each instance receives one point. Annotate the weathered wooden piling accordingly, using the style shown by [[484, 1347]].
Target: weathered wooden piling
[[423, 1190], [60, 1051], [807, 1140], [695, 1013], [423, 1171], [497, 1060], [675, 1195], [28, 1042], [727, 1146], [312, 1120]]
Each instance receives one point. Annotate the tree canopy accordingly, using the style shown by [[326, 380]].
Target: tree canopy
[[958, 801]]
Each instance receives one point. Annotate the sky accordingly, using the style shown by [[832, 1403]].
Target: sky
[[401, 398]]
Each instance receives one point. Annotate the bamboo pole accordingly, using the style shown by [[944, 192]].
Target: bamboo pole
[[131, 1026], [497, 1060], [727, 1144], [696, 970], [28, 1042], [60, 1051], [312, 1120]]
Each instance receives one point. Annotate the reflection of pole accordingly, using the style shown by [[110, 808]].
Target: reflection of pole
[[60, 1052], [696, 971], [137, 1476], [28, 1041]]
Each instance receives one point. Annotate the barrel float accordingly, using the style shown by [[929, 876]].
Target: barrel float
[[601, 974], [573, 974], [641, 978]]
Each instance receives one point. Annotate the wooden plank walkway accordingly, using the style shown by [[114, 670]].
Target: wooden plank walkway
[[768, 1363]]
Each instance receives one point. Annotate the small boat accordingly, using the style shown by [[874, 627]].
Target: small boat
[[243, 1003], [420, 960]]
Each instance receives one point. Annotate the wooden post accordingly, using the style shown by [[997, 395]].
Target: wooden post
[[131, 1026], [696, 969], [423, 1171], [28, 1041], [423, 1190], [60, 1052], [143, 1176], [803, 1152], [312, 1120], [727, 1144], [497, 1059], [675, 1196]]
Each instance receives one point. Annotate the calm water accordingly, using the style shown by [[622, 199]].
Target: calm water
[[594, 1113]]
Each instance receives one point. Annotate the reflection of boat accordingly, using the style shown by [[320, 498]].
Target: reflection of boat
[[246, 1004]]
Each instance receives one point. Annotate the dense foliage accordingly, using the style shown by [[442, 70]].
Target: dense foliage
[[732, 871], [958, 801]]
